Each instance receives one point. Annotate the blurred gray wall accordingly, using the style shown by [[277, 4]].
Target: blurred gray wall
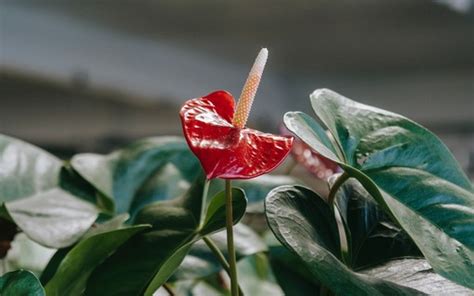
[[78, 74]]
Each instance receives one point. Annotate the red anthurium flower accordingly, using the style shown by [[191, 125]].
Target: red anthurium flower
[[215, 131]]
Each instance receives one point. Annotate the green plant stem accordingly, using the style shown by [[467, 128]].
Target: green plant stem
[[344, 243], [213, 247], [205, 191], [217, 252], [335, 187], [234, 286]]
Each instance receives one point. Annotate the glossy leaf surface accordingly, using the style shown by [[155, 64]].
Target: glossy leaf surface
[[406, 168], [146, 262], [31, 193], [224, 150], [417, 274], [20, 283], [305, 224]]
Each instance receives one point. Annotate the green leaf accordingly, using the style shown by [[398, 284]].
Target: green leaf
[[146, 262], [32, 196], [121, 174], [72, 182], [25, 169], [53, 218], [76, 267], [20, 283], [305, 224], [417, 274], [374, 238], [167, 183], [409, 172]]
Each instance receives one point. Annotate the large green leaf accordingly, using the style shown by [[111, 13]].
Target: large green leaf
[[407, 169], [20, 283], [303, 222], [373, 236], [32, 197], [121, 174], [76, 267], [143, 264]]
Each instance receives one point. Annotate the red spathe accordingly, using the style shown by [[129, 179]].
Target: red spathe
[[224, 150]]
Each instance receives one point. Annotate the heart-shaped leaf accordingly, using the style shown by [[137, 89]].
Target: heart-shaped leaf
[[303, 222], [143, 264], [32, 197], [121, 174], [20, 282], [406, 168]]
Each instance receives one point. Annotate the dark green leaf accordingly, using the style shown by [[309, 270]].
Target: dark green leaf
[[76, 267], [121, 174], [72, 182], [146, 262], [167, 183], [407, 169], [20, 283], [374, 238], [292, 274], [305, 224]]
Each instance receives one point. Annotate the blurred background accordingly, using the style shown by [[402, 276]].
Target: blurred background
[[79, 76]]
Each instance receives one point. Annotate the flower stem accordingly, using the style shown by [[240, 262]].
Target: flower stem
[[234, 286], [217, 252], [205, 191], [335, 187], [344, 243], [212, 246]]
